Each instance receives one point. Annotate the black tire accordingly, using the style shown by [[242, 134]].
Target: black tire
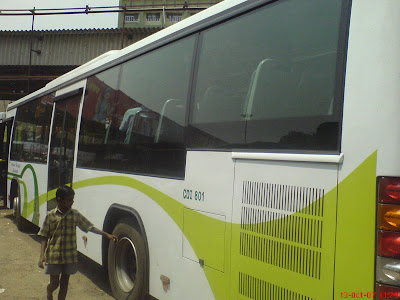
[[127, 262], [22, 223], [14, 207]]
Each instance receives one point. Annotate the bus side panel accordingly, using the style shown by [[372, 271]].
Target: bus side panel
[[283, 239], [370, 141], [355, 250], [153, 199], [32, 179]]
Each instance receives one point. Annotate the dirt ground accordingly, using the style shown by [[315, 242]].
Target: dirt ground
[[21, 278]]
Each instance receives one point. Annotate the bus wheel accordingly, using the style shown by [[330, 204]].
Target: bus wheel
[[22, 224], [127, 262], [15, 207]]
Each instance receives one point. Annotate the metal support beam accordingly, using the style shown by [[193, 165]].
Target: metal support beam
[[13, 94], [27, 77]]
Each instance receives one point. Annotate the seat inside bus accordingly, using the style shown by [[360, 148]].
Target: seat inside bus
[[171, 125], [218, 104], [143, 127], [279, 90]]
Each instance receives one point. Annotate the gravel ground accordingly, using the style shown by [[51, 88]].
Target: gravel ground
[[22, 279]]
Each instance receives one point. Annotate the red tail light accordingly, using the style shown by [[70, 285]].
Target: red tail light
[[388, 223], [384, 292], [389, 190], [389, 244]]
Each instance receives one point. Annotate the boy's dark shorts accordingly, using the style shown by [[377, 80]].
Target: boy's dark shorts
[[57, 269]]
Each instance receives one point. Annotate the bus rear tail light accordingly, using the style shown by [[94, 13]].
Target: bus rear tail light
[[389, 244], [388, 231], [384, 292], [389, 190], [388, 270], [389, 217]]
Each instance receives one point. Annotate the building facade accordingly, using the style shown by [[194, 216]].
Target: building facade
[[29, 60], [159, 13]]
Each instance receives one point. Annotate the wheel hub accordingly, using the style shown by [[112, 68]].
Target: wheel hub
[[126, 264]]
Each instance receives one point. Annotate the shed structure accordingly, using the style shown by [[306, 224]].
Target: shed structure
[[30, 59]]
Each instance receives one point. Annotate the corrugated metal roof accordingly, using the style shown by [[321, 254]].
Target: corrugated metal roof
[[64, 47], [84, 31]]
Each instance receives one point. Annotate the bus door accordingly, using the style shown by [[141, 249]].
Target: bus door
[[62, 142], [284, 213], [5, 133]]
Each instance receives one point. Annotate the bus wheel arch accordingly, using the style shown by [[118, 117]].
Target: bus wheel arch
[[17, 206], [14, 192], [119, 214]]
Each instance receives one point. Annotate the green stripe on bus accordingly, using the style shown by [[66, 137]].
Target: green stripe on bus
[[356, 230], [26, 212]]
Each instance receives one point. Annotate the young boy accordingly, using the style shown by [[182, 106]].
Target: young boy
[[59, 241]]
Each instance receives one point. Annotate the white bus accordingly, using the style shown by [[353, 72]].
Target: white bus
[[248, 152]]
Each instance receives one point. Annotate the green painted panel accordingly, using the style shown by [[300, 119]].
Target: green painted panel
[[355, 254], [206, 234], [287, 258]]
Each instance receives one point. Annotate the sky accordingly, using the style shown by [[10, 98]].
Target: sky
[[82, 21]]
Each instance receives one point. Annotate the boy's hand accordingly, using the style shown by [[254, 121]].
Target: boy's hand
[[105, 234], [41, 262], [112, 237]]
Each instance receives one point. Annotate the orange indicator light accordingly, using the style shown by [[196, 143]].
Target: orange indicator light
[[389, 217]]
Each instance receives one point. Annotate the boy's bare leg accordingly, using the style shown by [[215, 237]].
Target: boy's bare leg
[[52, 286], [63, 286]]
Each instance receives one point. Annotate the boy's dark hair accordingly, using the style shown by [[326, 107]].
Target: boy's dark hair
[[63, 192]]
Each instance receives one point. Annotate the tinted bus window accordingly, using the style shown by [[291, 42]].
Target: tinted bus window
[[31, 130], [133, 116], [266, 80]]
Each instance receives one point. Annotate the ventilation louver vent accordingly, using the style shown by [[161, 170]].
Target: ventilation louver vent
[[286, 198], [282, 225], [257, 289]]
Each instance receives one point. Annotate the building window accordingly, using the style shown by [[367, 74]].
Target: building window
[[153, 17], [174, 17], [134, 18]]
